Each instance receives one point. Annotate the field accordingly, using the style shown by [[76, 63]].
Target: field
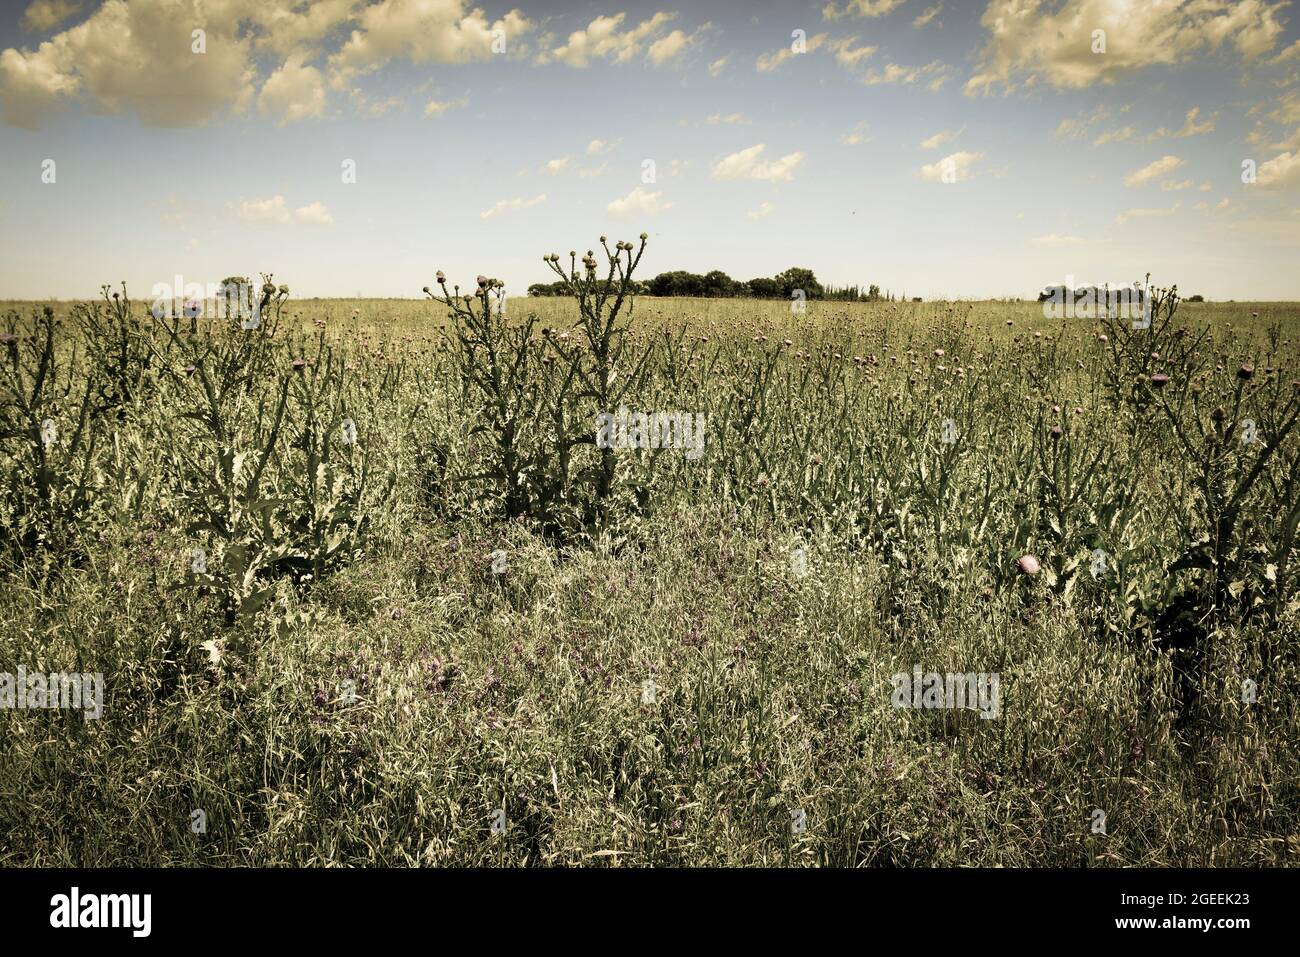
[[364, 589]]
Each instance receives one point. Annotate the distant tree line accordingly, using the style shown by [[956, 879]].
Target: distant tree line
[[718, 285]]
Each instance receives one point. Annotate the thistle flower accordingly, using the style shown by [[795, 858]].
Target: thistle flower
[[1159, 380], [1245, 372], [299, 365], [1028, 565]]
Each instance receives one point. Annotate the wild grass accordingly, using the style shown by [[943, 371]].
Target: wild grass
[[349, 682]]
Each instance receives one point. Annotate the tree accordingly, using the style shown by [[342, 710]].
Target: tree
[[796, 277], [765, 289]]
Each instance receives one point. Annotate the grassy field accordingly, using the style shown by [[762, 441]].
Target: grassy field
[[364, 591]]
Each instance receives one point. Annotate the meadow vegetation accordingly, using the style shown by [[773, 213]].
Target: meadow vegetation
[[360, 576]]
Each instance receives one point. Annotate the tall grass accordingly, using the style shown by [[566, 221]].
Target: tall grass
[[426, 595]]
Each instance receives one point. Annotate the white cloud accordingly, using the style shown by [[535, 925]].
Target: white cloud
[[943, 136], [439, 107], [768, 62], [1055, 241], [928, 15], [314, 214], [639, 202], [1140, 177], [1171, 185], [1076, 128], [764, 209], [1039, 41], [861, 8], [668, 47], [556, 166], [1192, 128], [1145, 213], [276, 210], [748, 164], [273, 210], [293, 92], [507, 205], [897, 73], [423, 32], [717, 66], [730, 119], [953, 168], [44, 15], [597, 147], [602, 39], [132, 58], [856, 136], [1280, 172], [1120, 135]]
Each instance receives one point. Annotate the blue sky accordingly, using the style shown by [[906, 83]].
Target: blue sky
[[936, 148]]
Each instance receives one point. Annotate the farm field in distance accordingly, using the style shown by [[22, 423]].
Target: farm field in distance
[[368, 585]]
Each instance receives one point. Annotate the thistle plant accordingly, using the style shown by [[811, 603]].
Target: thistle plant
[[603, 377], [120, 349], [48, 436], [495, 364]]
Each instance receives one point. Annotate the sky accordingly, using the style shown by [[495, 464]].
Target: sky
[[937, 148]]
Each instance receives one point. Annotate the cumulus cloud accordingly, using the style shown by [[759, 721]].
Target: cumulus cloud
[[943, 136], [604, 39], [293, 92], [927, 16], [597, 147], [748, 164], [717, 66], [1281, 172], [134, 58], [768, 62], [1034, 41], [556, 166], [506, 205], [668, 47], [856, 136], [423, 32], [730, 119], [1193, 128], [276, 210], [764, 209], [314, 214], [861, 8], [639, 202], [1140, 177], [44, 15], [1120, 135], [951, 169], [438, 107]]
